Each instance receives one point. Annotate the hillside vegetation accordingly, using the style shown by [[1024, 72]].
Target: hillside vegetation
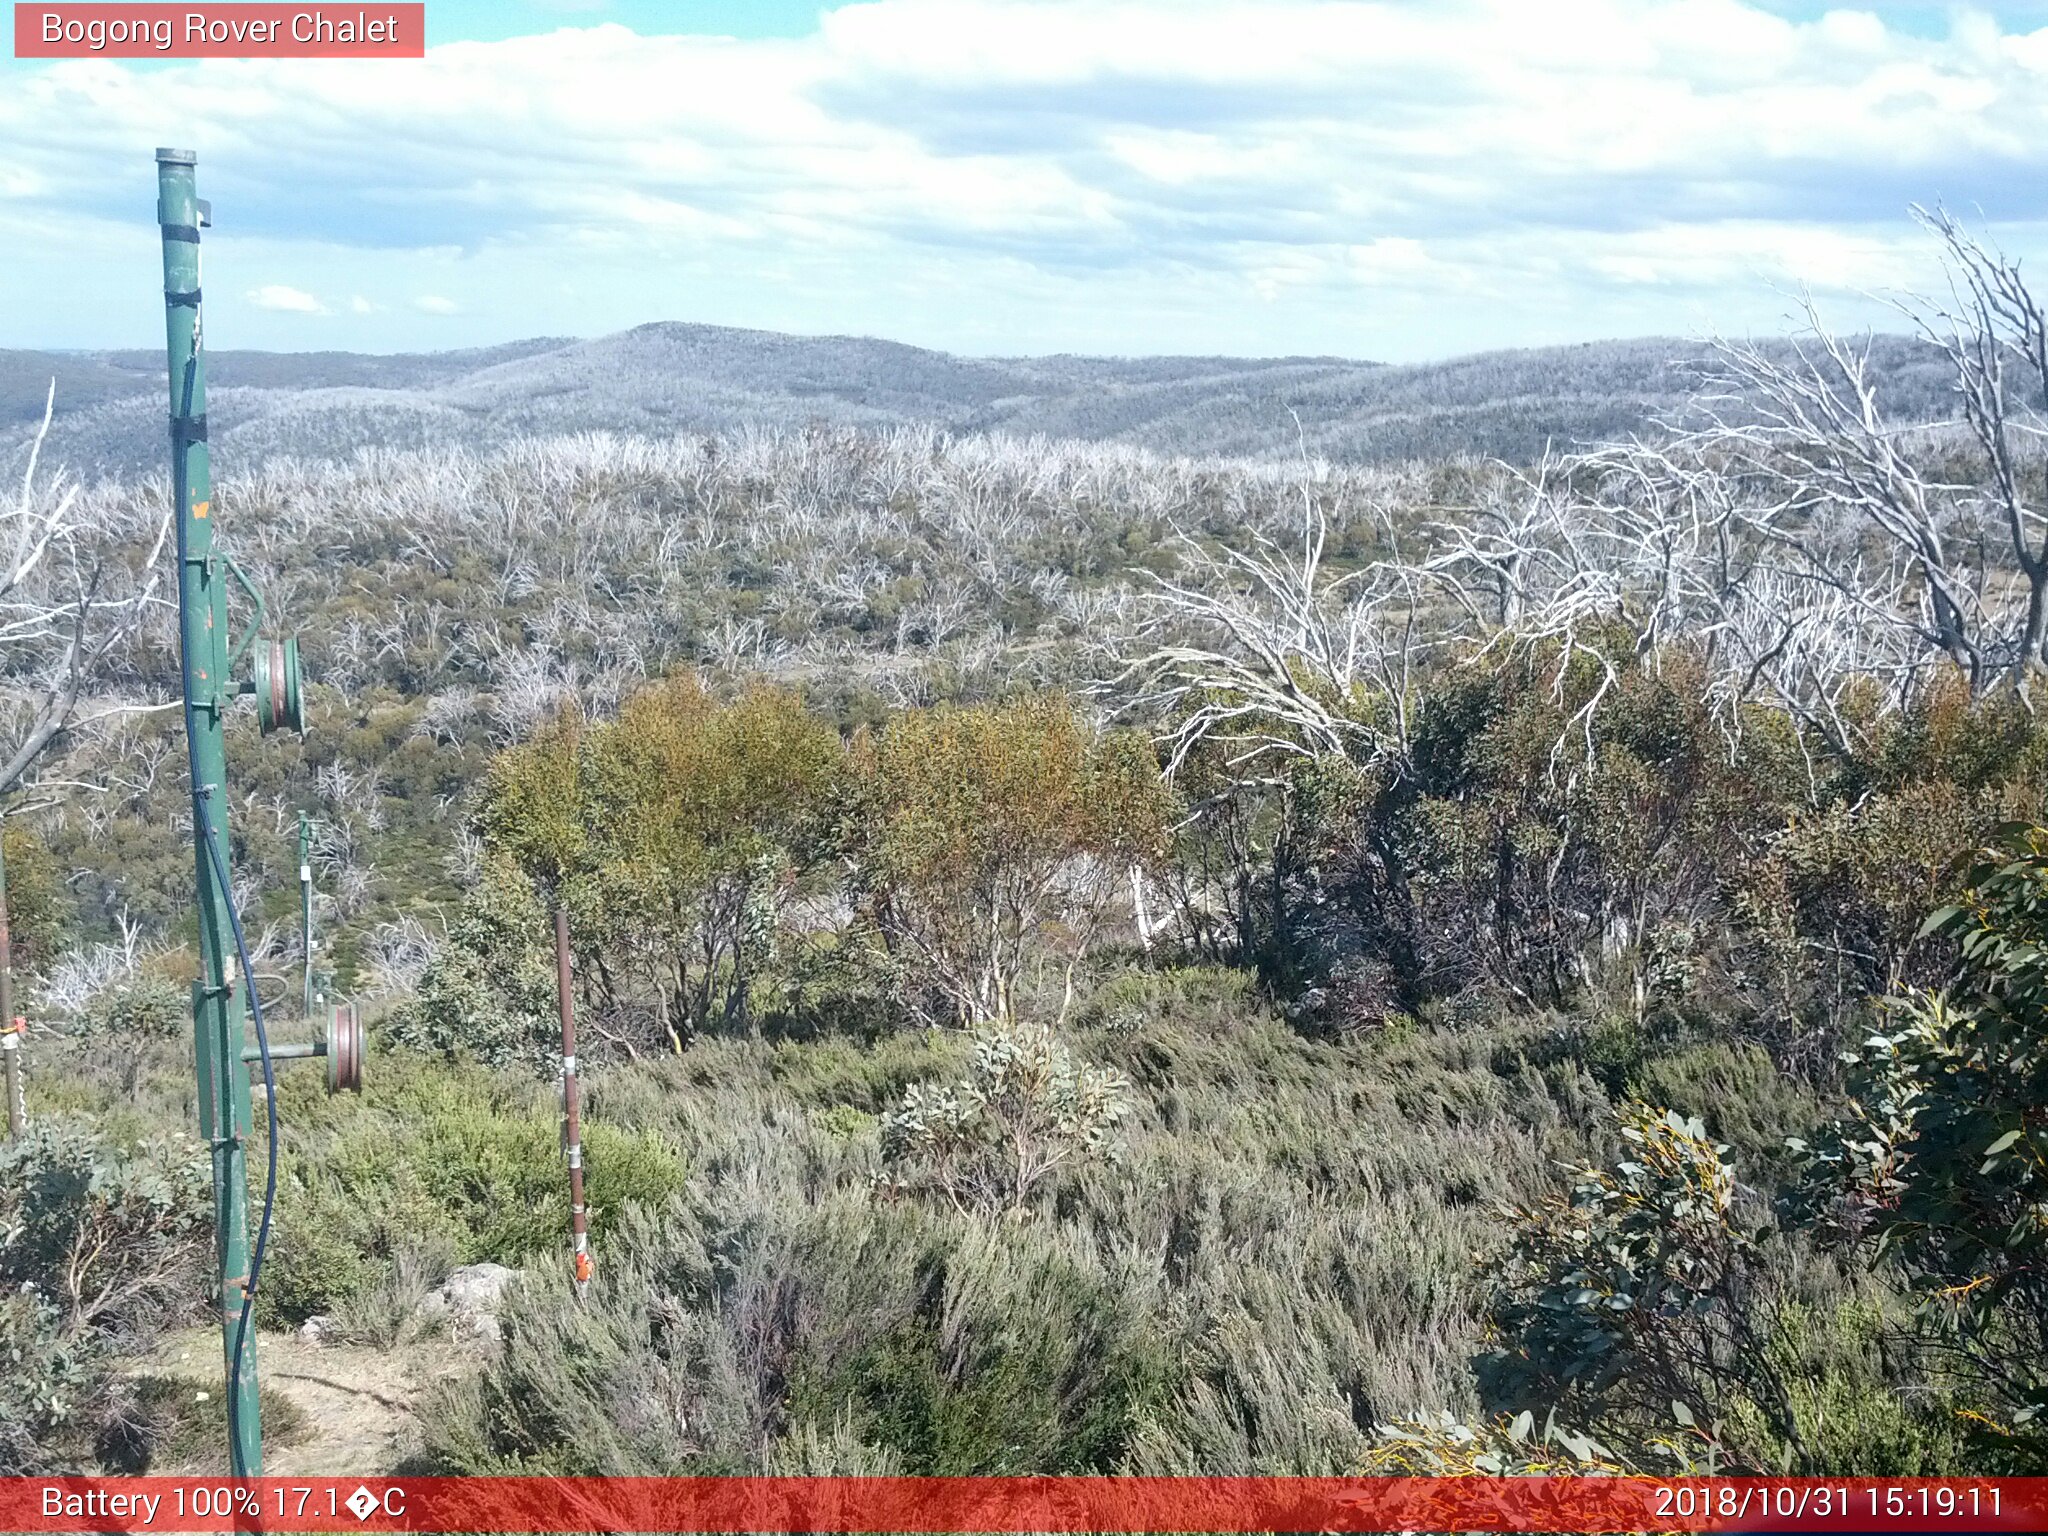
[[1091, 960], [667, 378]]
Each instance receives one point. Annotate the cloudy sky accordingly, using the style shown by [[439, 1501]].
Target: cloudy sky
[[1371, 178]]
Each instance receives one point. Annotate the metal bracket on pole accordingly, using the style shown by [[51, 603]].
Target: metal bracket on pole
[[255, 619]]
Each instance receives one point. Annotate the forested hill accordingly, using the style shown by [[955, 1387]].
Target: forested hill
[[665, 378]]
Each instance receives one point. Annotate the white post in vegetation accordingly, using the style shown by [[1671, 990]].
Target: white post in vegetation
[[572, 1118], [17, 1099], [11, 1028]]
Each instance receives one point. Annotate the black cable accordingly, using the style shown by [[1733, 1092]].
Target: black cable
[[203, 825], [220, 873]]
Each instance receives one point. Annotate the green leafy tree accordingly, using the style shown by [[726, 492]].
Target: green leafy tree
[[701, 817], [986, 834], [673, 836], [38, 909], [1834, 901], [489, 991], [532, 806]]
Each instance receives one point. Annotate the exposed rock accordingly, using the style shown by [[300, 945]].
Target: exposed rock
[[468, 1301]]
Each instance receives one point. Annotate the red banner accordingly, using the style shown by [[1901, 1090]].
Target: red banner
[[359, 31], [1051, 1504]]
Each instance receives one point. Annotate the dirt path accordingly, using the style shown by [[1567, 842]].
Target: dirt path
[[358, 1401]]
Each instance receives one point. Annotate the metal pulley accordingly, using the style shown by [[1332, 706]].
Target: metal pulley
[[340, 1041], [345, 1051], [275, 669]]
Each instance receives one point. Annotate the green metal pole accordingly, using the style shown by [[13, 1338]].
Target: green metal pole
[[306, 905], [225, 1116]]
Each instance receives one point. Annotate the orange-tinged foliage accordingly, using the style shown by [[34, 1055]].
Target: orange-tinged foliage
[[984, 831]]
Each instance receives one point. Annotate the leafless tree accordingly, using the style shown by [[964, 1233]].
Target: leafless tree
[[1805, 543], [70, 594], [1263, 652], [1656, 541], [1965, 528]]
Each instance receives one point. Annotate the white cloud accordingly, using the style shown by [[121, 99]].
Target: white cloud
[[1390, 259], [291, 301], [1519, 157], [358, 305], [434, 304]]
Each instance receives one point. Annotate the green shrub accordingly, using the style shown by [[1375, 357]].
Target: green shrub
[[734, 1335], [1737, 1092], [99, 1247], [489, 993], [843, 1122], [1614, 1048], [1211, 995], [1942, 1161], [1023, 1112], [1561, 816], [114, 1238], [1654, 1306], [1043, 1370], [142, 1007], [1838, 1354], [820, 985], [51, 1377], [1631, 1306], [447, 1164], [1583, 838]]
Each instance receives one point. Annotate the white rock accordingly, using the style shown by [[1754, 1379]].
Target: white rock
[[468, 1301], [477, 1287]]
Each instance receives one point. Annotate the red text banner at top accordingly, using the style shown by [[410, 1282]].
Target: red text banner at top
[[1020, 1504], [221, 31]]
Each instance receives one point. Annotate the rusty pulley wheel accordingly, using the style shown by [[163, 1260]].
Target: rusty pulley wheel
[[279, 706], [345, 1051]]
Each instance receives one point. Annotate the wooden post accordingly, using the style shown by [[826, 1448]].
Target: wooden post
[[572, 1119]]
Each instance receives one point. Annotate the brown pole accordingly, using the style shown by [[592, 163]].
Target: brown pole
[[572, 1120]]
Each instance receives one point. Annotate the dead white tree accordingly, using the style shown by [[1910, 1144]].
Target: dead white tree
[[1805, 542], [1995, 338], [1810, 430], [1265, 654], [70, 594]]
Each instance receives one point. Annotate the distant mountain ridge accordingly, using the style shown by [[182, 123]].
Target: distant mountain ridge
[[673, 377]]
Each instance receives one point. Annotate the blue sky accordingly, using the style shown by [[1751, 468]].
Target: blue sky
[[495, 20], [1372, 178]]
